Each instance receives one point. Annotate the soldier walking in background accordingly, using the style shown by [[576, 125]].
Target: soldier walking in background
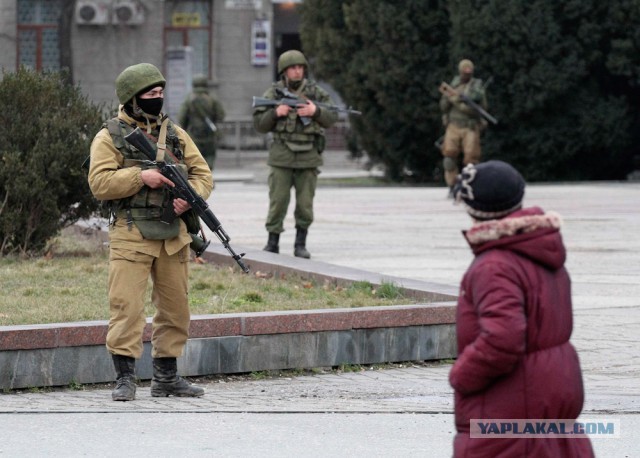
[[199, 114], [296, 151], [463, 123], [140, 244]]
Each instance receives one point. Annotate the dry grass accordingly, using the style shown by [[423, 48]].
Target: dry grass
[[69, 284]]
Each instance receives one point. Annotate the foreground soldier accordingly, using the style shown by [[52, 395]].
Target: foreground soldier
[[463, 123], [295, 154], [140, 244]]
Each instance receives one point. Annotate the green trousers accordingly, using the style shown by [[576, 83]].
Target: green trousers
[[207, 147], [281, 180]]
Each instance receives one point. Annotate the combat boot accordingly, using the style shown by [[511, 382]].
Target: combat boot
[[272, 243], [125, 378], [167, 382], [299, 248]]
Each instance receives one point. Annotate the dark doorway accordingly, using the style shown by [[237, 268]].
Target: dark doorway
[[285, 42]]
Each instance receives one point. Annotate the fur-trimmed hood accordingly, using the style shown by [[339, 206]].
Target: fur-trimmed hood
[[528, 232]]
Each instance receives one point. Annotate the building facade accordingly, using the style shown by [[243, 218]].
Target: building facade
[[235, 43]]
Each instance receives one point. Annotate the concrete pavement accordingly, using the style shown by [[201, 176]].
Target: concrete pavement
[[410, 232]]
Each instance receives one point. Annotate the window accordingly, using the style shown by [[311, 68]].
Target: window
[[188, 23], [38, 39]]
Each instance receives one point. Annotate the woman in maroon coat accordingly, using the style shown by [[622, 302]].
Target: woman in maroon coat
[[514, 320]]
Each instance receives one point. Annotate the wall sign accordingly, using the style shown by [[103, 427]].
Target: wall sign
[[260, 43], [243, 4], [186, 20]]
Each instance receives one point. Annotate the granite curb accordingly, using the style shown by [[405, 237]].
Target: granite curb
[[67, 353]]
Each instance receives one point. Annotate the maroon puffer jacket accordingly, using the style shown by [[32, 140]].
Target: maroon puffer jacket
[[514, 321]]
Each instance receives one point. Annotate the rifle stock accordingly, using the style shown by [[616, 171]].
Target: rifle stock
[[183, 190]]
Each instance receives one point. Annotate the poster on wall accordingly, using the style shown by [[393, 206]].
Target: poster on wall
[[179, 75], [260, 43]]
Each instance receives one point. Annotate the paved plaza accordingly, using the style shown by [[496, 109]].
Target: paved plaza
[[408, 232]]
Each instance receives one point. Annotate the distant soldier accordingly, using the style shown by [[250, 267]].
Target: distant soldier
[[463, 123], [199, 114], [296, 151]]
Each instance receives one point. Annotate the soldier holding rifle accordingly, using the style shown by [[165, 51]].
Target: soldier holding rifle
[[141, 245], [463, 104], [298, 142]]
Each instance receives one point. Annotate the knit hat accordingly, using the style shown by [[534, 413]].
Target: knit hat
[[489, 190]]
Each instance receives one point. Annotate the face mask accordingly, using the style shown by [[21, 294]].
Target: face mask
[[151, 107]]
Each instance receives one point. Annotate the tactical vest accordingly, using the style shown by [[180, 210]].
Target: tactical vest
[[290, 129], [462, 115], [145, 208]]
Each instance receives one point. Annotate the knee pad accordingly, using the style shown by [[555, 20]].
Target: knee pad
[[449, 164]]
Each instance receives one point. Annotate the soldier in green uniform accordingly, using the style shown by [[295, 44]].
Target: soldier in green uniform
[[140, 245], [199, 114], [463, 123], [296, 151]]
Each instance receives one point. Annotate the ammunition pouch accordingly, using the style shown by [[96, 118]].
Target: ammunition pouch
[[299, 147], [299, 142], [147, 220], [320, 143]]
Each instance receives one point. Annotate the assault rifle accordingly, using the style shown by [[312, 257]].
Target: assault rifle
[[447, 90], [292, 100], [183, 190]]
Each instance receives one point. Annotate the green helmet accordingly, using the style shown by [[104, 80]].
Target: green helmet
[[289, 58], [136, 78], [200, 81]]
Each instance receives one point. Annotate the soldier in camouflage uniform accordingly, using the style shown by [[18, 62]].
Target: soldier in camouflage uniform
[[140, 245], [199, 106], [463, 123], [295, 154]]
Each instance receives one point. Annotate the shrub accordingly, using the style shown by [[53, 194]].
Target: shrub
[[46, 127]]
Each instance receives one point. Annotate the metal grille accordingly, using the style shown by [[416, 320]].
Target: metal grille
[[27, 44], [38, 44], [39, 11], [50, 49]]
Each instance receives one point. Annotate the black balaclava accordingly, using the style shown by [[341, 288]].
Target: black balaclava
[[145, 109], [152, 106]]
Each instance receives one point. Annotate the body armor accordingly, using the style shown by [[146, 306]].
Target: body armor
[[145, 208]]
